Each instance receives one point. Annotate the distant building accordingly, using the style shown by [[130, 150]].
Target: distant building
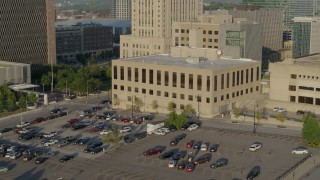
[[121, 9], [295, 84], [152, 22], [14, 73], [92, 39], [27, 33], [210, 84], [235, 37], [306, 36]]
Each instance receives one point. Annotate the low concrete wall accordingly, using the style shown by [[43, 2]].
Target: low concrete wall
[[303, 168]]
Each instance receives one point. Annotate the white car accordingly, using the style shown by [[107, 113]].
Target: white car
[[50, 134], [192, 127], [23, 124], [300, 150], [255, 146], [15, 155], [12, 148], [159, 132], [4, 169], [166, 130], [105, 132], [204, 147], [24, 130], [275, 109], [172, 163], [125, 129], [281, 109], [50, 142]]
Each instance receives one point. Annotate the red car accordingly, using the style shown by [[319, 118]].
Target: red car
[[152, 151], [93, 130], [190, 167], [125, 120], [73, 121], [16, 130], [38, 120], [190, 144]]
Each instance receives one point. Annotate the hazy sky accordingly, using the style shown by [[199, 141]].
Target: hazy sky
[[224, 1]]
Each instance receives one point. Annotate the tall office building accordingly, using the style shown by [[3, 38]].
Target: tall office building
[[121, 9], [27, 31], [292, 8], [306, 36], [151, 25]]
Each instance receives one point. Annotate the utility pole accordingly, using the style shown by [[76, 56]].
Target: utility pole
[[254, 118], [51, 75], [132, 106], [198, 100]]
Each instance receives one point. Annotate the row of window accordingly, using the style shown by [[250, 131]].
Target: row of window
[[294, 76], [226, 80], [210, 32], [305, 100], [294, 88], [183, 96]]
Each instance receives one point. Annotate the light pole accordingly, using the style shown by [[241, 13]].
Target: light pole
[[198, 100], [144, 103], [254, 118], [132, 106]]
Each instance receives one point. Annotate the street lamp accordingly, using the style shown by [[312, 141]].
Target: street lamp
[[198, 100], [254, 117], [131, 105]]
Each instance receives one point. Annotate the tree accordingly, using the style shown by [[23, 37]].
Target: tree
[[1, 102], [32, 98], [171, 106], [155, 105], [280, 118], [11, 101], [137, 104], [311, 130], [92, 61], [116, 101], [112, 137], [46, 80], [180, 121], [22, 102], [237, 112], [188, 109], [258, 116]]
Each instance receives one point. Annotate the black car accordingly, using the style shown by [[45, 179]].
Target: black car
[[218, 163], [66, 158], [174, 142], [97, 150], [40, 160], [39, 135], [55, 111], [181, 136], [60, 114], [166, 155], [197, 145], [51, 116], [105, 101], [140, 135], [84, 141], [92, 147], [185, 126], [78, 126], [254, 172], [128, 139], [177, 156], [4, 130], [96, 108], [171, 128], [182, 165], [203, 159], [300, 112], [214, 148], [3, 153]]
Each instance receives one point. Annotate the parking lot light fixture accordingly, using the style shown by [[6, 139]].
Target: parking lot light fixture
[[254, 117], [198, 100]]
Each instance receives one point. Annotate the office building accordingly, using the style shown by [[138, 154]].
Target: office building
[[152, 22], [92, 39], [27, 33], [235, 37], [306, 36], [295, 84], [14, 73], [210, 84], [121, 9], [272, 28]]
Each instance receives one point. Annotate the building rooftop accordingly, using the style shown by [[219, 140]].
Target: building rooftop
[[104, 22], [310, 60], [223, 62], [4, 64]]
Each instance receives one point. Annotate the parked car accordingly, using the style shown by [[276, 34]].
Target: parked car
[[63, 143], [51, 116], [190, 167], [166, 155], [177, 156], [178, 138], [128, 139], [51, 142], [55, 111], [125, 129], [254, 172], [203, 159], [50, 134], [214, 148], [255, 146], [204, 146], [40, 160], [160, 132], [23, 124], [4, 130], [4, 169], [101, 116], [78, 126], [62, 113], [155, 150], [140, 135], [182, 165], [300, 112], [172, 163], [96, 108], [96, 150], [190, 144], [66, 158], [300, 150], [105, 131], [105, 101], [197, 145], [192, 127], [73, 121], [219, 163], [38, 120], [15, 155], [171, 128]]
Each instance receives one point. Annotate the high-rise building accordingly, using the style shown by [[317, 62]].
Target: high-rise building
[[121, 9], [292, 8], [151, 25], [27, 31], [306, 36]]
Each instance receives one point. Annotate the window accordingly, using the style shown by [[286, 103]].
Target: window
[[238, 78], [115, 86], [251, 75], [204, 31], [292, 88], [174, 95], [228, 96], [222, 98], [247, 91], [177, 30], [241, 92], [129, 88], [129, 73], [247, 75], [293, 76], [208, 83], [143, 91], [215, 99], [166, 78], [216, 32], [215, 83], [181, 106], [121, 73], [190, 81], [257, 88], [151, 92], [204, 39], [122, 88], [129, 98], [237, 93], [258, 74], [306, 88], [228, 79], [136, 90], [215, 40], [233, 95], [233, 79], [158, 77], [144, 75], [150, 76], [166, 94], [190, 97], [158, 93], [209, 32], [174, 79], [251, 90], [242, 76], [182, 80], [181, 96], [292, 99], [115, 72], [136, 75], [199, 82], [208, 100], [222, 81], [210, 40]]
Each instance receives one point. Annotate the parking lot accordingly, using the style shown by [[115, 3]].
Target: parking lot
[[128, 162]]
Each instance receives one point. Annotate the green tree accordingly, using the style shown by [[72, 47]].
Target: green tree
[[5, 90], [237, 112], [11, 101], [180, 121], [188, 109], [155, 105], [22, 102], [32, 98], [171, 106], [92, 61], [311, 130], [108, 71], [172, 118], [112, 137], [46, 80], [137, 104], [280, 118], [259, 116], [2, 107], [116, 101]]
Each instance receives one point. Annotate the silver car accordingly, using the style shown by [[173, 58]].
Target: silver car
[[4, 169]]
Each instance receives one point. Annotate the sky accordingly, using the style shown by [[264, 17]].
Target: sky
[[224, 1]]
